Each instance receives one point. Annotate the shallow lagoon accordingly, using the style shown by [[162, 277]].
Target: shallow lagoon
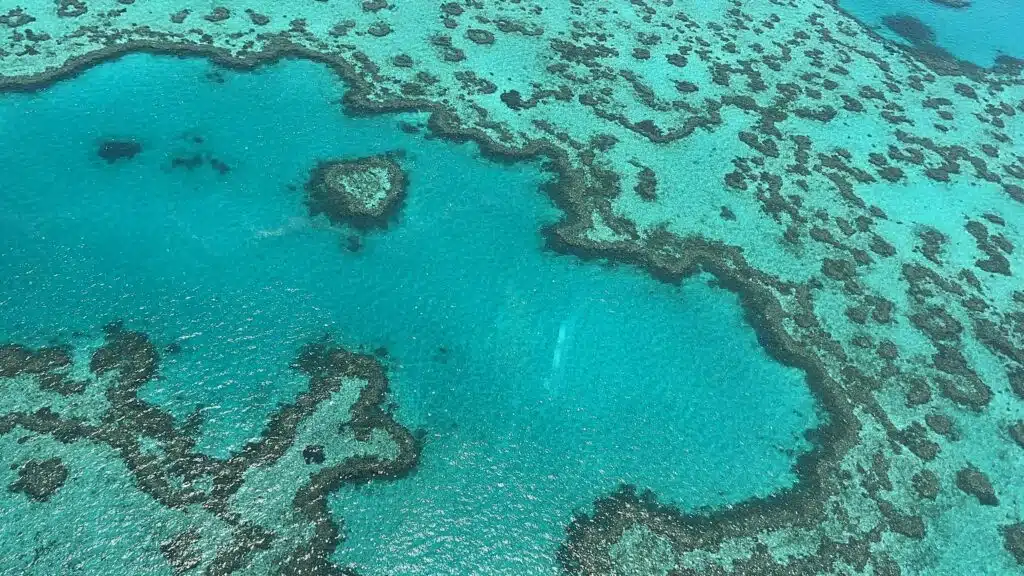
[[539, 382]]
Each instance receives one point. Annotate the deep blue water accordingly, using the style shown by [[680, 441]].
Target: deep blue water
[[663, 386], [978, 33]]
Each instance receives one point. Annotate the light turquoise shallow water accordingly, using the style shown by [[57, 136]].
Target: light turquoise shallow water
[[540, 382]]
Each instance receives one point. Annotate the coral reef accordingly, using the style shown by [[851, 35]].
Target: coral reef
[[113, 150], [863, 197], [49, 365], [364, 193], [1013, 538], [293, 533], [40, 479], [910, 28]]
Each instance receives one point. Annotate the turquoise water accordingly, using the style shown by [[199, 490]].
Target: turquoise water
[[978, 33], [539, 382]]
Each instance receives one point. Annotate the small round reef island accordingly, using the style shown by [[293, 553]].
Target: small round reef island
[[363, 192]]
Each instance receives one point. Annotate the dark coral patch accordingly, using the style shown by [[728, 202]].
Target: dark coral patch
[[16, 360], [926, 484], [941, 425], [220, 166], [114, 150], [71, 8], [478, 36], [374, 5], [363, 193], [40, 479], [180, 16], [1013, 541], [16, 17], [910, 28], [353, 243], [219, 14], [1017, 432], [181, 553], [918, 392], [313, 454], [131, 354], [379, 29], [257, 18], [48, 364], [187, 162], [647, 184], [972, 481], [1016, 378]]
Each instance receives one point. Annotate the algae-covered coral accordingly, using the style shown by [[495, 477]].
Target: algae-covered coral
[[864, 199]]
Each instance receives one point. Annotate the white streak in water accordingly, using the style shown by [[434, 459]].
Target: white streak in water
[[565, 331], [294, 224]]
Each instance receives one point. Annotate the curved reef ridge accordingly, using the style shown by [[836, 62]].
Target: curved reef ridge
[[864, 200], [262, 510]]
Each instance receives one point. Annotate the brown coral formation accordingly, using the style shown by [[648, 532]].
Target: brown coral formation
[[48, 366], [1013, 540], [364, 193], [161, 455], [972, 481], [40, 479], [113, 150]]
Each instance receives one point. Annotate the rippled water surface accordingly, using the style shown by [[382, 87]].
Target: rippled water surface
[[538, 382]]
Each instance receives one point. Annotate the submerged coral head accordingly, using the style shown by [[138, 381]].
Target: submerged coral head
[[114, 150], [363, 193], [910, 28]]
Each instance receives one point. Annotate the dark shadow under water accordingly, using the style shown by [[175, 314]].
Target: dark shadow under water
[[979, 33]]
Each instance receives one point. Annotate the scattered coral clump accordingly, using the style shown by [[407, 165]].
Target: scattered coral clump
[[363, 193]]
